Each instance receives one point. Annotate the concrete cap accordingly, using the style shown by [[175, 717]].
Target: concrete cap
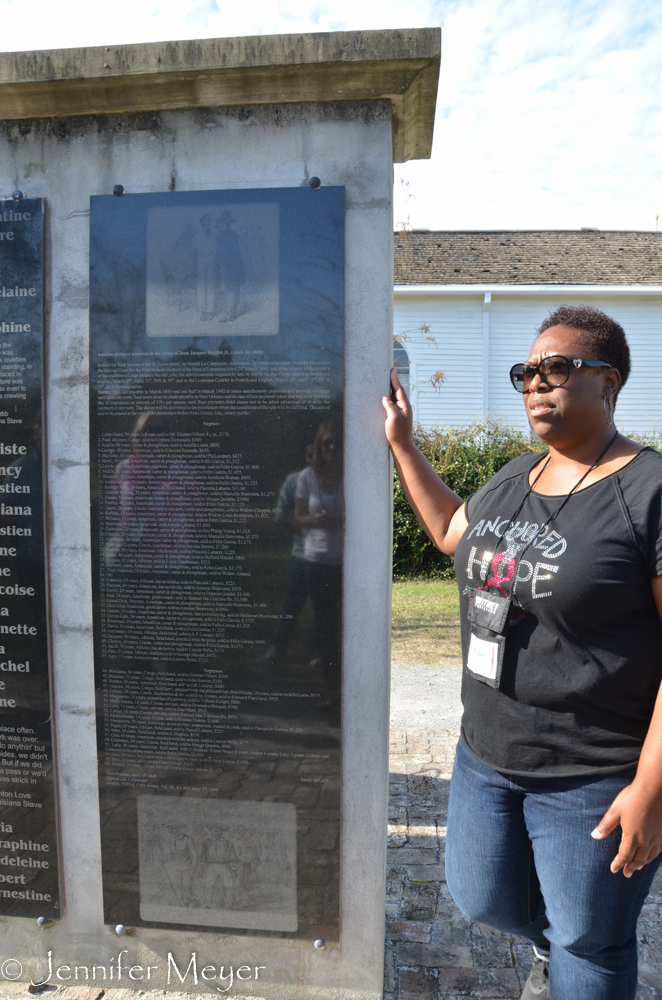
[[399, 65]]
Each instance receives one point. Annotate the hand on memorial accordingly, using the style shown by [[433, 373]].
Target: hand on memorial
[[638, 811], [399, 417]]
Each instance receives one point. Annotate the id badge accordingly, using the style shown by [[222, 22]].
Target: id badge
[[489, 610], [488, 615], [485, 656]]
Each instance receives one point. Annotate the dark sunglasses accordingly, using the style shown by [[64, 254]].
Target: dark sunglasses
[[553, 371]]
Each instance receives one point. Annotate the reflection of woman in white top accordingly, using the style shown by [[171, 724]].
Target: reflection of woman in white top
[[318, 511]]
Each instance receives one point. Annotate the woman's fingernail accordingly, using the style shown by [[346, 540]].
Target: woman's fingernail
[[596, 834]]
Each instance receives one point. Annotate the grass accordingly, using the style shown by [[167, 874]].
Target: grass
[[425, 622]]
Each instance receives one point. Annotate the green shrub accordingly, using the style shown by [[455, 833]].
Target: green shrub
[[653, 440], [465, 459]]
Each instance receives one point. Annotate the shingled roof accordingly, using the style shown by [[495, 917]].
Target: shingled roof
[[531, 257]]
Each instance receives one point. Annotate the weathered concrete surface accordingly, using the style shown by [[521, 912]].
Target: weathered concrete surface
[[399, 65], [229, 113], [66, 161]]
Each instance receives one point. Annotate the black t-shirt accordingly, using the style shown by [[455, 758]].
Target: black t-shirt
[[582, 668]]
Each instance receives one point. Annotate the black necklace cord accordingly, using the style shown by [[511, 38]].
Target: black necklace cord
[[526, 495], [521, 504], [558, 510]]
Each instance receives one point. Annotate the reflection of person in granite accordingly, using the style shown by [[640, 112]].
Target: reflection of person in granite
[[318, 509], [231, 273], [297, 581], [158, 503], [205, 250]]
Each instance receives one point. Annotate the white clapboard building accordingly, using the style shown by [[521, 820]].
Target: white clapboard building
[[468, 304]]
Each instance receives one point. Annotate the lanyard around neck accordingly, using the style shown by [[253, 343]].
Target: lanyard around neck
[[560, 507]]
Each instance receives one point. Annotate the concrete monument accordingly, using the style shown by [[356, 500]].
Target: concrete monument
[[217, 335]]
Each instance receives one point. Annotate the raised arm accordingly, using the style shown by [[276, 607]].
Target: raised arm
[[439, 510]]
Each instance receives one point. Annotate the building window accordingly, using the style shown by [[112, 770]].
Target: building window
[[401, 365]]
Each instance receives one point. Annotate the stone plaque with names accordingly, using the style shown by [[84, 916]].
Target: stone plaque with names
[[216, 362], [28, 826]]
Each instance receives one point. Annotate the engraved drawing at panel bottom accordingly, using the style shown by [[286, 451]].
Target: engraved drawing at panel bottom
[[217, 862]]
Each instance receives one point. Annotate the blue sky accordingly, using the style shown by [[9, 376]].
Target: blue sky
[[549, 112]]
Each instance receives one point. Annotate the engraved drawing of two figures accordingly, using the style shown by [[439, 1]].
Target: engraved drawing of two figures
[[219, 269], [214, 870]]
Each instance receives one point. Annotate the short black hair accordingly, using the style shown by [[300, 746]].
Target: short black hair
[[600, 336]]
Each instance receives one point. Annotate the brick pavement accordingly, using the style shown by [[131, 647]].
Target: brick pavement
[[433, 952]]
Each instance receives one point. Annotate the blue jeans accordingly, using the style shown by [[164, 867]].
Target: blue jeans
[[520, 857], [295, 599]]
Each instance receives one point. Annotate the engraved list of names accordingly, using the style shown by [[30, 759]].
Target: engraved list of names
[[28, 842], [216, 361]]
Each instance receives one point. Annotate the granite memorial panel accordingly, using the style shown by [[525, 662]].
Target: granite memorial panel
[[29, 879], [216, 364]]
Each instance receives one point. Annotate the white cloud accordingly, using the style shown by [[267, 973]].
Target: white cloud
[[549, 112], [549, 116]]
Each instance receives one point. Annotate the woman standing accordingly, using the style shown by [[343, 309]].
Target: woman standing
[[555, 814], [318, 512]]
